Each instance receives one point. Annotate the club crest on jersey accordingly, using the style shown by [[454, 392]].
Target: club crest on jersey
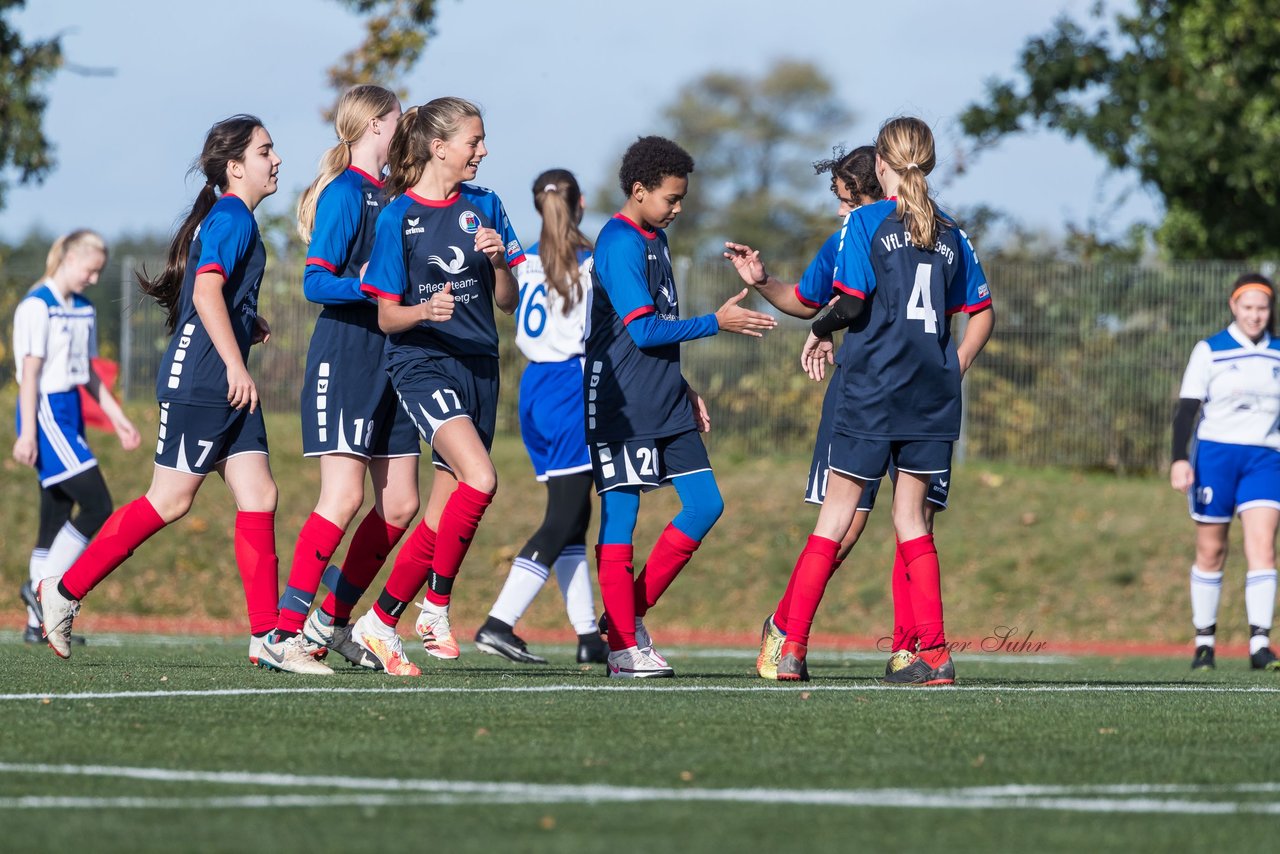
[[469, 222], [453, 267], [414, 228]]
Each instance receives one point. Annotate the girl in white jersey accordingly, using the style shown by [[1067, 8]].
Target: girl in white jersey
[[550, 330], [54, 339], [1233, 466]]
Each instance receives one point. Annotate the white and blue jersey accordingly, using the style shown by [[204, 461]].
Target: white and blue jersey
[[347, 403], [899, 372], [633, 385], [62, 331], [553, 340], [1236, 455], [226, 243]]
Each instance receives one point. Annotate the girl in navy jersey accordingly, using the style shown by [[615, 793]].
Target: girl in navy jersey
[[643, 419], [550, 330], [351, 419], [1233, 464], [442, 257], [54, 341], [901, 269], [209, 413]]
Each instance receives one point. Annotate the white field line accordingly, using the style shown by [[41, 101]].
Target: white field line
[[649, 690], [366, 791]]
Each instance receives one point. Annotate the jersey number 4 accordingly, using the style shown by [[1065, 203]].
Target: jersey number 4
[[920, 303]]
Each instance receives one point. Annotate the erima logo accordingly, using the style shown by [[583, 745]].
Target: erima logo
[[413, 227], [453, 267], [368, 200]]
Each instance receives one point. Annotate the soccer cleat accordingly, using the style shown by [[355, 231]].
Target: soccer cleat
[[592, 649], [507, 644], [643, 639], [636, 663], [57, 612], [317, 636], [388, 653], [1264, 659], [290, 656], [899, 659], [32, 634], [1203, 659], [792, 666], [770, 650], [255, 648], [357, 655], [920, 672], [436, 633]]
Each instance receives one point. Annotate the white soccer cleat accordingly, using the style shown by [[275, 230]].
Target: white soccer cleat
[[389, 653], [59, 611], [255, 649], [645, 642], [316, 636], [436, 633], [636, 663], [290, 656]]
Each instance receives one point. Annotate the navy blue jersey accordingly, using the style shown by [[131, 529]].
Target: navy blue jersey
[[419, 245], [226, 243], [342, 238], [900, 375], [632, 380], [814, 287]]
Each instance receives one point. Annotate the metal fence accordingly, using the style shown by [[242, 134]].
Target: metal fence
[[1082, 370]]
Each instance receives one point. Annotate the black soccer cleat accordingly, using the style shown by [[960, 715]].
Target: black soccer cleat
[[592, 649], [506, 643], [353, 652], [1264, 659], [1203, 659], [920, 672]]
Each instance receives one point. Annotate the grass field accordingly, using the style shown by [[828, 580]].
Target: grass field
[[180, 745]]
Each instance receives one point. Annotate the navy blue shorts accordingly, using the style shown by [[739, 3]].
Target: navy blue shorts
[[1233, 478], [869, 459], [195, 439], [552, 423], [647, 463], [437, 389], [61, 450]]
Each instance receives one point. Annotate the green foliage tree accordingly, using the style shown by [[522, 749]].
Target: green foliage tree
[[754, 140], [1184, 92], [396, 33], [24, 69]]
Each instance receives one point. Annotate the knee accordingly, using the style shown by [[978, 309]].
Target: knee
[[263, 500], [482, 479], [399, 511], [171, 508]]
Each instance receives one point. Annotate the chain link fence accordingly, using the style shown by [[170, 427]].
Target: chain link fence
[[1082, 370]]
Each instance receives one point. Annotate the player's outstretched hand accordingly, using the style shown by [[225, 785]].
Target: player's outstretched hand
[[25, 450], [488, 242], [1181, 476], [439, 308], [816, 355], [747, 262], [261, 331], [701, 415], [734, 318]]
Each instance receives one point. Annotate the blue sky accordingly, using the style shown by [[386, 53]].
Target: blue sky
[[562, 82]]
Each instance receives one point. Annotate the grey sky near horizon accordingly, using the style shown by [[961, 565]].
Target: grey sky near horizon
[[562, 83]]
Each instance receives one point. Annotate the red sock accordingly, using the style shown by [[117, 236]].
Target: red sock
[[458, 523], [409, 573], [259, 568], [125, 530], [784, 604], [921, 560], [317, 542], [669, 556], [617, 591], [813, 571], [904, 616], [373, 540]]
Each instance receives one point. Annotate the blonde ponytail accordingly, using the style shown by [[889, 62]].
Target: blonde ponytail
[[905, 144], [76, 241]]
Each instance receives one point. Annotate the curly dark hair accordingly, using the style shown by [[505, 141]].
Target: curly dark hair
[[857, 169], [649, 160]]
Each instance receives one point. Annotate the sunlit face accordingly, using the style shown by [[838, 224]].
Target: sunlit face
[[259, 166], [1252, 311], [461, 153], [80, 268], [660, 206], [385, 126]]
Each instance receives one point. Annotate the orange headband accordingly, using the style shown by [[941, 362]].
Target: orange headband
[[1250, 286]]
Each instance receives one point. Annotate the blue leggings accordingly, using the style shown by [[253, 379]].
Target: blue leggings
[[700, 507]]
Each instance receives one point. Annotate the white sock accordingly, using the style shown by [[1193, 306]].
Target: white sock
[[523, 583], [377, 628], [574, 576], [35, 569], [67, 546], [1206, 590], [1259, 605]]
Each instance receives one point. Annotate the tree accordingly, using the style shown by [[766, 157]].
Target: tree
[[395, 35], [753, 141], [24, 69], [1184, 92]]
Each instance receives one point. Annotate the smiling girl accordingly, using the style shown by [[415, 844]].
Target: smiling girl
[[442, 257], [210, 419]]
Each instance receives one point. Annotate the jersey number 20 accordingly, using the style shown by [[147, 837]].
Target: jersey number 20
[[920, 303]]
